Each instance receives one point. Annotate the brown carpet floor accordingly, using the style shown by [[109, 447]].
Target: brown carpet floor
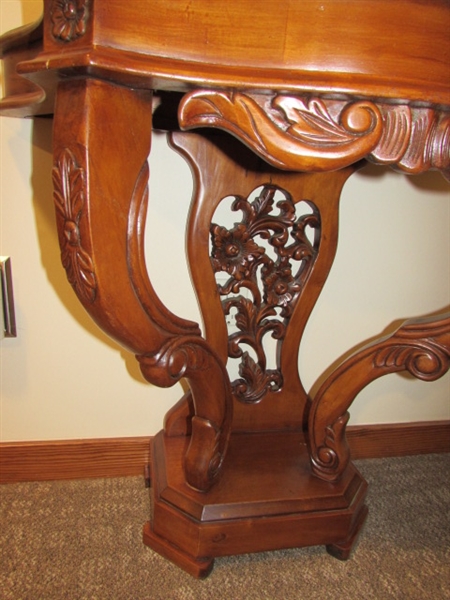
[[82, 540]]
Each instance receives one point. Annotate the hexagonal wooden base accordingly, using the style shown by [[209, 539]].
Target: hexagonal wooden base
[[267, 499]]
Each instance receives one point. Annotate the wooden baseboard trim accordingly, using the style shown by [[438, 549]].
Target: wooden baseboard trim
[[73, 459], [399, 439], [122, 457]]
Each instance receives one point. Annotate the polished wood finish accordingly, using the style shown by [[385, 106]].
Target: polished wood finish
[[266, 499], [245, 462]]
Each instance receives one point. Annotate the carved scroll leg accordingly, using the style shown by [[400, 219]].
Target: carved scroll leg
[[101, 146], [193, 359], [420, 346]]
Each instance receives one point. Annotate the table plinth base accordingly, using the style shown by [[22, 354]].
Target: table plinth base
[[267, 499]]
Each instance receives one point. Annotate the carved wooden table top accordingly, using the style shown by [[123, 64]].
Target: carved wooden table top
[[283, 77], [307, 90]]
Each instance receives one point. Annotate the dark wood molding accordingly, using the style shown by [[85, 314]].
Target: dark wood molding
[[399, 439], [73, 459], [122, 457]]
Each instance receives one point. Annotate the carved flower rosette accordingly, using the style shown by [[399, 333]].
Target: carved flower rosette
[[69, 19]]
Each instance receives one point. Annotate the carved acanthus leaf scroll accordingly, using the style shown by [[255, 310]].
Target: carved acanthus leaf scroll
[[249, 266], [316, 134], [192, 358], [69, 183], [69, 19], [290, 133], [334, 451], [414, 139], [427, 361]]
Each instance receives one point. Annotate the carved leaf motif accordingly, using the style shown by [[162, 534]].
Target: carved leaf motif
[[311, 121], [335, 451], [315, 134], [396, 133], [427, 360], [254, 382], [193, 358], [174, 360], [420, 346], [262, 205], [246, 317], [289, 132], [69, 197]]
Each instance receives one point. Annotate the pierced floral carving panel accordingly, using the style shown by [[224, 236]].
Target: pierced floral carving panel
[[265, 259]]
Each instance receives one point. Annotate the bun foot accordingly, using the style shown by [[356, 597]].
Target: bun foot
[[197, 567], [342, 550]]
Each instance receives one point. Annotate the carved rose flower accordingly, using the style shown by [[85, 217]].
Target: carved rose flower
[[281, 288], [69, 19], [234, 250]]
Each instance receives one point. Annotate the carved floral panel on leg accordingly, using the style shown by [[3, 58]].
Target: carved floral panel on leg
[[273, 282], [69, 181]]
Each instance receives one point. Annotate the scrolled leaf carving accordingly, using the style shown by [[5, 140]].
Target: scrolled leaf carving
[[304, 133], [69, 184], [312, 122], [335, 450], [174, 360], [192, 358], [254, 381], [289, 132], [426, 361], [414, 139]]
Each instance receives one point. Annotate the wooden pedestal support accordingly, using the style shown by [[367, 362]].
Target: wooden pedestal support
[[267, 499]]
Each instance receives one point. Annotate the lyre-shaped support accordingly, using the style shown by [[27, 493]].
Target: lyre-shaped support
[[282, 280]]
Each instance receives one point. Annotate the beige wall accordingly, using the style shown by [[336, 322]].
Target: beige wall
[[61, 378]]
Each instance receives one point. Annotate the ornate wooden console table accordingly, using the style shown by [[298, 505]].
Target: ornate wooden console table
[[307, 90]]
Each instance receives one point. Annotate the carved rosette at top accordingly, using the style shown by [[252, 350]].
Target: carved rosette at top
[[316, 134], [69, 185], [274, 283], [69, 19]]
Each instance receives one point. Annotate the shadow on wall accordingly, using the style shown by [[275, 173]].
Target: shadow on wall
[[31, 11], [41, 181], [425, 182]]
